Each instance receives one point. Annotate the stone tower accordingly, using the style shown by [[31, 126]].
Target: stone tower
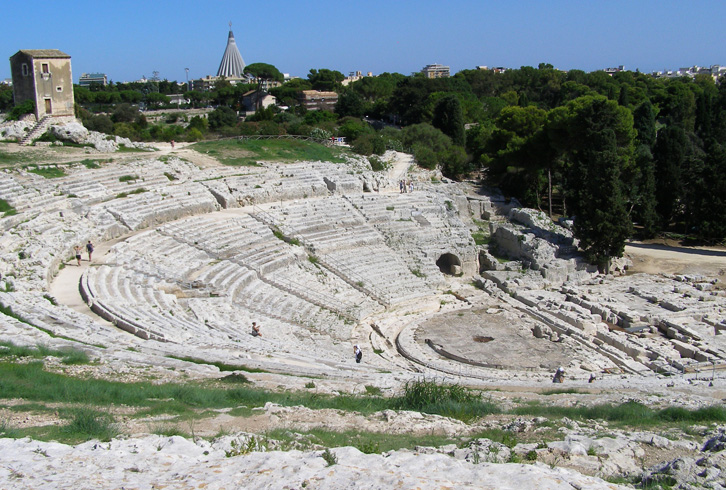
[[232, 65], [43, 76]]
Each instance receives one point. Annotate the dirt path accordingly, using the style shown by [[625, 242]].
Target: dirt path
[[671, 258]]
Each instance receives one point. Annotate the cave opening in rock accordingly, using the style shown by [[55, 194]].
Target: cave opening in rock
[[449, 264]]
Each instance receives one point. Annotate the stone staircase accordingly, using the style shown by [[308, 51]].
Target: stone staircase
[[37, 130]]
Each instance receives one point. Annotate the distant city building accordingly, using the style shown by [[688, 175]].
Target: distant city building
[[254, 99], [496, 69], [354, 76], [208, 83], [43, 76], [232, 64], [435, 71], [715, 71], [178, 99], [612, 71], [88, 78], [315, 100]]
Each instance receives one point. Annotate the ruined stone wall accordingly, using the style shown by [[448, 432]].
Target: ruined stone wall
[[23, 77]]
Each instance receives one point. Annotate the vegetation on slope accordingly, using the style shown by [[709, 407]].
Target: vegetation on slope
[[249, 152], [88, 404]]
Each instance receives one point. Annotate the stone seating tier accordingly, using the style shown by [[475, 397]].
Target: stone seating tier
[[135, 298]]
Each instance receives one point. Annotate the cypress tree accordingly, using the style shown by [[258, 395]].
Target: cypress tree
[[644, 123], [644, 199], [449, 118], [602, 224], [669, 154]]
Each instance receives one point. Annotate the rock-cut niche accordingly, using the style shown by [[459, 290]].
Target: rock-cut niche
[[449, 264]]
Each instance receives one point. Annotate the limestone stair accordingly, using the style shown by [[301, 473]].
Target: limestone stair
[[37, 130]]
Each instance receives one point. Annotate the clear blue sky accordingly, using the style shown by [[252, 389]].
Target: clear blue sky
[[129, 39]]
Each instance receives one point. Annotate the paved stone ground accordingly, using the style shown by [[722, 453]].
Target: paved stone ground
[[512, 345]]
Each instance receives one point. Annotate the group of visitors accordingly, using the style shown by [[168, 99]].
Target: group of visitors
[[559, 376], [357, 352], [405, 186], [78, 249]]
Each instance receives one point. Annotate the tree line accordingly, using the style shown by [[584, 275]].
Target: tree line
[[624, 154]]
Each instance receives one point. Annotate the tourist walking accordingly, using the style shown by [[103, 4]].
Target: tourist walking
[[77, 248], [89, 249], [358, 353]]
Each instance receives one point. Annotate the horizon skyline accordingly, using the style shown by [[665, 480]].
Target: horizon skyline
[[167, 40]]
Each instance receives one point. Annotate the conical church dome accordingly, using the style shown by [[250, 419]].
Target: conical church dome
[[232, 64]]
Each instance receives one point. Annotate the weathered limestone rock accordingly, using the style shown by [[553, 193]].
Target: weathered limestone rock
[[74, 132], [176, 462], [15, 129]]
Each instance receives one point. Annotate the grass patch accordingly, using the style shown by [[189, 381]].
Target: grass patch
[[6, 430], [169, 430], [6, 209], [365, 442], [68, 355], [86, 424], [90, 164], [235, 378], [563, 391], [47, 172], [222, 366], [32, 383], [631, 414], [453, 401], [281, 236], [249, 152], [128, 178], [130, 149], [373, 390], [480, 237], [15, 158], [140, 190]]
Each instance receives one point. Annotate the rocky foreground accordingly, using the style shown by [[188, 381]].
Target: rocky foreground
[[178, 463], [589, 456]]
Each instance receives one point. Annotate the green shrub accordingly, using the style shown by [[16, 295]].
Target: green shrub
[[377, 164], [74, 356], [21, 109], [47, 172], [449, 400], [369, 144], [329, 457], [6, 209], [91, 164], [88, 424], [373, 390]]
